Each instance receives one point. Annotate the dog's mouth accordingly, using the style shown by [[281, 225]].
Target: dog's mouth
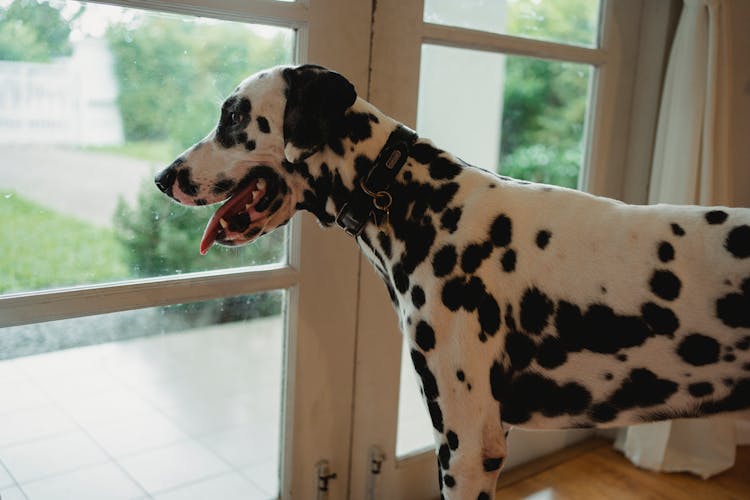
[[243, 216]]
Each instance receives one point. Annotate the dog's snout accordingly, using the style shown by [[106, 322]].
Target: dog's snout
[[165, 179]]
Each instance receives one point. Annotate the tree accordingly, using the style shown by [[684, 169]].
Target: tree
[[173, 75], [545, 101], [34, 31]]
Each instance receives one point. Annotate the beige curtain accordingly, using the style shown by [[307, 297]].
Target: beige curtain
[[691, 166]]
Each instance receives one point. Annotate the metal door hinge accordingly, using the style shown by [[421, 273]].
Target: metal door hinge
[[323, 469], [375, 465]]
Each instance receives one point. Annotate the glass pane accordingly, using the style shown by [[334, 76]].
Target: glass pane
[[181, 401], [414, 432], [526, 115], [522, 117], [567, 21], [94, 100]]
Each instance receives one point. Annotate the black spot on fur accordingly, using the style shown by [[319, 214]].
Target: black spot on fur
[[186, 184], [449, 219], [666, 251], [436, 415], [738, 399], [508, 260], [738, 241], [451, 294], [385, 243], [483, 496], [677, 229], [551, 353], [444, 456], [429, 383], [235, 116], [449, 481], [492, 464], [223, 186], [700, 389], [734, 309], [661, 320], [489, 314], [744, 344], [473, 256], [442, 168], [599, 329], [729, 358], [424, 153], [263, 124], [716, 216], [460, 375], [529, 393], [400, 278], [452, 440], [521, 350], [501, 230], [542, 239], [536, 308], [417, 296], [444, 261], [425, 336], [699, 350], [665, 284], [641, 389], [358, 126]]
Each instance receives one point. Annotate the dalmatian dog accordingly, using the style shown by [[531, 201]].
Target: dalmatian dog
[[524, 304]]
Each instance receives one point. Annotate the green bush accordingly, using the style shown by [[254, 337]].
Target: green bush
[[34, 31], [173, 75]]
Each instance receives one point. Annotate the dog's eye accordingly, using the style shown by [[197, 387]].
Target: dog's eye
[[235, 118]]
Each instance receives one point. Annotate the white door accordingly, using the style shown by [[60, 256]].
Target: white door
[[535, 90], [132, 367]]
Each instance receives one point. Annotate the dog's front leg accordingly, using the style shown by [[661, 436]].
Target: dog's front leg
[[469, 437], [470, 458]]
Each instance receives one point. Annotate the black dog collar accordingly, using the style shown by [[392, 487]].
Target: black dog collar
[[373, 194]]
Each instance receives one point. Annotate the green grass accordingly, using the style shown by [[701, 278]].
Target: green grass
[[40, 248], [157, 151]]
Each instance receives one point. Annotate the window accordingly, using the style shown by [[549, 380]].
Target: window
[[130, 365], [124, 352]]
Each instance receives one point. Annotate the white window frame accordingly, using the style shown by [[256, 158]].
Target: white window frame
[[320, 275]]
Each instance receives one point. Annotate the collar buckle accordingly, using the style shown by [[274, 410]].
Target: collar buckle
[[373, 194]]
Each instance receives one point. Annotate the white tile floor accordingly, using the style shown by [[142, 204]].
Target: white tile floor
[[183, 416]]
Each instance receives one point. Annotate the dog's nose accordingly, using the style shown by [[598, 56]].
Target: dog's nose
[[165, 179]]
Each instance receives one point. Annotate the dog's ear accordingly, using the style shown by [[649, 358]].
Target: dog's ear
[[316, 101]]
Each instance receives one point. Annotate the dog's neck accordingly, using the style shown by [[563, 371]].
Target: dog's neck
[[421, 191]]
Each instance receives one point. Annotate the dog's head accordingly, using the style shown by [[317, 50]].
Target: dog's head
[[270, 123]]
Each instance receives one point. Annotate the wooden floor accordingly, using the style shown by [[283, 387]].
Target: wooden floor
[[594, 470]]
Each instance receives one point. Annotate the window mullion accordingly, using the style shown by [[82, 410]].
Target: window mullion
[[36, 307], [480, 40]]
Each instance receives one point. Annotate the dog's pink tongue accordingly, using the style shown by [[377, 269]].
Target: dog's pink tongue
[[233, 206], [209, 236]]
